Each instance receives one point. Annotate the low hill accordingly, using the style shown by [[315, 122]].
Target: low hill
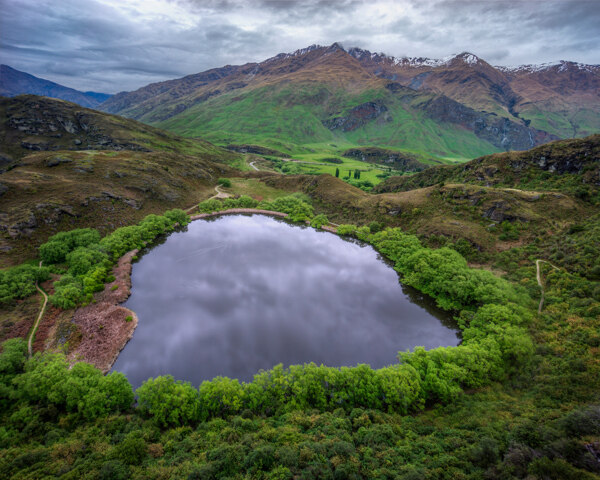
[[69, 167], [571, 166], [14, 82]]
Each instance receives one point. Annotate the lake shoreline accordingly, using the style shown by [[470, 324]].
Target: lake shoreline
[[103, 324]]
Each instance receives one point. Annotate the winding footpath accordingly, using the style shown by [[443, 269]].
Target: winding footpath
[[219, 194], [539, 280], [254, 166], [39, 318]]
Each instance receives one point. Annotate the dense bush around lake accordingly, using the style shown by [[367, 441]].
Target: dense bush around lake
[[89, 258], [296, 206], [532, 412], [492, 313]]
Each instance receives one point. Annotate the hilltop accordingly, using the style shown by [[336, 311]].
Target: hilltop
[[571, 166], [66, 166]]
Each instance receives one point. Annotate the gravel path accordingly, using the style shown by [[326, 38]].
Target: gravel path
[[39, 318], [219, 194]]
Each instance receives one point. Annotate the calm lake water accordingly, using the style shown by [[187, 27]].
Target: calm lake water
[[237, 294]]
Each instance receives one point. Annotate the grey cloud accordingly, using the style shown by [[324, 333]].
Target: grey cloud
[[100, 44]]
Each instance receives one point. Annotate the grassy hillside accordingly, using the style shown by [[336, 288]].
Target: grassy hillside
[[72, 167], [518, 399], [288, 117], [568, 165]]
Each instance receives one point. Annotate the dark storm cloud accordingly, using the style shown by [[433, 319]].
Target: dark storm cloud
[[113, 45]]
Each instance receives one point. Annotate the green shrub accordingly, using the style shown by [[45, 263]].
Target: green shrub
[[318, 221], [346, 229], [177, 215], [169, 402], [224, 182], [211, 205], [221, 396], [58, 246], [133, 450], [19, 282]]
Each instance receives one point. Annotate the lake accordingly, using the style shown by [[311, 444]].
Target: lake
[[236, 294]]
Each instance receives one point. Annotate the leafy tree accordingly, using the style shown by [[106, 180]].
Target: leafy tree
[[58, 246], [177, 215], [12, 358], [82, 259], [169, 402], [19, 282], [337, 172], [221, 396]]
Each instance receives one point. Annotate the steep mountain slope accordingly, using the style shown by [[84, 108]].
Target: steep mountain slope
[[562, 99], [69, 167], [14, 82], [458, 107]]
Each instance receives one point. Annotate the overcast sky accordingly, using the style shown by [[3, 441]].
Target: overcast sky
[[116, 45]]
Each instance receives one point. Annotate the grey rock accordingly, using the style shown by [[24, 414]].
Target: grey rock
[[53, 162]]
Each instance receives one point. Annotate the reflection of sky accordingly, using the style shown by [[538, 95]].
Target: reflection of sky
[[243, 293]]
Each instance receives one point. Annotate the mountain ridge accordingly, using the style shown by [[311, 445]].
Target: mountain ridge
[[485, 109], [14, 82]]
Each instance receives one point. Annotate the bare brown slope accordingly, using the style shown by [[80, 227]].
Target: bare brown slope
[[329, 65]]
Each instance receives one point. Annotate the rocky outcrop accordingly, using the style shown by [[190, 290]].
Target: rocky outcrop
[[43, 124], [358, 117], [499, 131], [256, 149], [399, 160]]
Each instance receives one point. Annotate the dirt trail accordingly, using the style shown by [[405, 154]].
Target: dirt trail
[[219, 194], [539, 280], [254, 166], [39, 318]]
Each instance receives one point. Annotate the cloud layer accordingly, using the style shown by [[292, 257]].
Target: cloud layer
[[115, 45]]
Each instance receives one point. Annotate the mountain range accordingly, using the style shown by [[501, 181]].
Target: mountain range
[[14, 82], [327, 97]]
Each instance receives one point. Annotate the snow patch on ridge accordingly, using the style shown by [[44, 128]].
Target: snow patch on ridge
[[562, 66]]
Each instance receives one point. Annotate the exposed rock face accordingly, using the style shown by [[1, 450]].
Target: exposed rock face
[[498, 213], [358, 116], [53, 162], [42, 124], [256, 149], [399, 160], [500, 132]]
